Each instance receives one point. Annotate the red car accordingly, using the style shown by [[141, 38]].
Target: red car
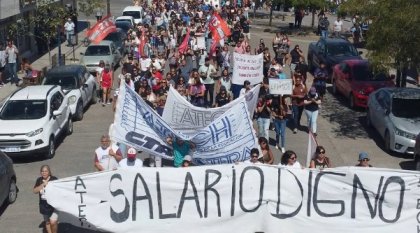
[[355, 80]]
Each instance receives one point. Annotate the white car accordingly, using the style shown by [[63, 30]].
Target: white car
[[136, 12], [77, 83], [31, 120]]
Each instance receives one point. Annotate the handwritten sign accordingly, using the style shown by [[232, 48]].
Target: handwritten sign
[[247, 67], [280, 86]]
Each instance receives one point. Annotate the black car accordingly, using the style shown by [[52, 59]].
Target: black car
[[118, 38], [331, 51], [8, 188]]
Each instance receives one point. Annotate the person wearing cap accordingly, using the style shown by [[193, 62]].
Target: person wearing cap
[[181, 148], [363, 160], [187, 161], [312, 102], [131, 161]]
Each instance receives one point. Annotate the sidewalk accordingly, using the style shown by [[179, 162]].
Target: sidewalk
[[44, 62]]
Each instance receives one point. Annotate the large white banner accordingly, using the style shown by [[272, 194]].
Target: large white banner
[[184, 117], [227, 139], [280, 86], [241, 198], [247, 67]]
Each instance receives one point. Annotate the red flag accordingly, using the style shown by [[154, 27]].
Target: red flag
[[218, 27], [101, 29], [142, 43], [183, 47]]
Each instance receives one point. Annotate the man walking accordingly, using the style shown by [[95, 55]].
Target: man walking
[[338, 27], [69, 27], [324, 24], [11, 65]]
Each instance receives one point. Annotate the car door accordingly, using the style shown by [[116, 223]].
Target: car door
[[379, 111], [340, 76], [4, 178], [84, 91], [346, 79], [319, 55], [57, 104]]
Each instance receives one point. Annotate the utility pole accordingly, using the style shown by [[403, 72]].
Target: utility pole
[[108, 7]]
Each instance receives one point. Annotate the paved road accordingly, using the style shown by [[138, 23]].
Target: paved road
[[341, 131]]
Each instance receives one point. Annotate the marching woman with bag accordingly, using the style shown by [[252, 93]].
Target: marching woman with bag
[[49, 213]]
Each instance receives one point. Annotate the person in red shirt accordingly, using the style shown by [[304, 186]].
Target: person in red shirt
[[157, 77], [106, 85]]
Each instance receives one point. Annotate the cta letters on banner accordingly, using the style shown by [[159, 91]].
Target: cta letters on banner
[[227, 139], [280, 86], [184, 117], [240, 198], [247, 67]]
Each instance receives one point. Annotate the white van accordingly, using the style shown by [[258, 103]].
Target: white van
[[135, 11]]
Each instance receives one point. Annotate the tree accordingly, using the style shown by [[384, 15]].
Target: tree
[[88, 7], [393, 33], [44, 24]]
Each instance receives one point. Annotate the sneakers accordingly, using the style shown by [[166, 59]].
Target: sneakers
[[277, 147], [283, 150], [109, 102], [295, 131]]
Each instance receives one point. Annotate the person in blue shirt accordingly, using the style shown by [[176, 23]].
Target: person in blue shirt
[[181, 149]]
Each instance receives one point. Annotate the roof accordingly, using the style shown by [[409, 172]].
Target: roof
[[103, 42], [332, 40], [133, 8], [38, 92], [67, 69], [404, 92], [124, 17]]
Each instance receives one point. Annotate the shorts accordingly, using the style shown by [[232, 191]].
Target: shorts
[[53, 217]]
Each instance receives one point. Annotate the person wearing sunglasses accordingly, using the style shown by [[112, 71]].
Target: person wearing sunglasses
[[289, 159], [363, 160], [320, 161], [255, 154]]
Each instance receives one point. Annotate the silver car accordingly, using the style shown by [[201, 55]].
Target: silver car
[[8, 190], [395, 114], [104, 50]]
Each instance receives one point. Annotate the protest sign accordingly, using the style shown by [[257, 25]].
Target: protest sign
[[240, 198], [184, 117], [201, 42], [227, 139], [280, 86], [247, 67]]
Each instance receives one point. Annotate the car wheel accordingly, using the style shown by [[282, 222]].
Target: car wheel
[[94, 98], [79, 111], [69, 128], [351, 101], [368, 120], [334, 88], [51, 148], [12, 191], [387, 142]]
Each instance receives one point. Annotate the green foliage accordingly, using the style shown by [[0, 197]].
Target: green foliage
[[309, 3], [88, 7], [393, 35]]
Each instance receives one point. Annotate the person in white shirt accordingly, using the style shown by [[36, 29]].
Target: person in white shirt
[[12, 52], [289, 159], [107, 155], [247, 87], [69, 28], [207, 73], [338, 27], [131, 161], [145, 63], [255, 154]]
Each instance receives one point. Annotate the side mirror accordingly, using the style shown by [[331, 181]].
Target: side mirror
[[386, 111], [85, 85], [57, 113]]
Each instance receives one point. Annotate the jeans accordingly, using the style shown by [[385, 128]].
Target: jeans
[[297, 115], [312, 117], [12, 69], [210, 92], [69, 37], [280, 125], [263, 126], [324, 33]]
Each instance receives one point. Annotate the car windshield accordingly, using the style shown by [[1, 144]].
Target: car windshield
[[341, 49], [24, 110], [114, 36], [406, 108], [97, 50], [66, 82], [364, 73], [135, 14]]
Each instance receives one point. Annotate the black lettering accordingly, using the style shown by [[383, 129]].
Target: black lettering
[[209, 187], [150, 143], [81, 195], [397, 180], [136, 198], [335, 202], [135, 138], [123, 215], [232, 203], [418, 229], [418, 204], [79, 182], [308, 205], [81, 214], [418, 217], [241, 190], [189, 181], [159, 194], [288, 215], [357, 184]]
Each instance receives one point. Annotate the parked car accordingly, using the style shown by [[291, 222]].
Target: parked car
[[394, 113], [417, 153], [118, 37], [128, 19], [105, 50], [32, 118], [355, 80], [8, 190], [330, 51], [77, 83], [136, 12], [125, 26]]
